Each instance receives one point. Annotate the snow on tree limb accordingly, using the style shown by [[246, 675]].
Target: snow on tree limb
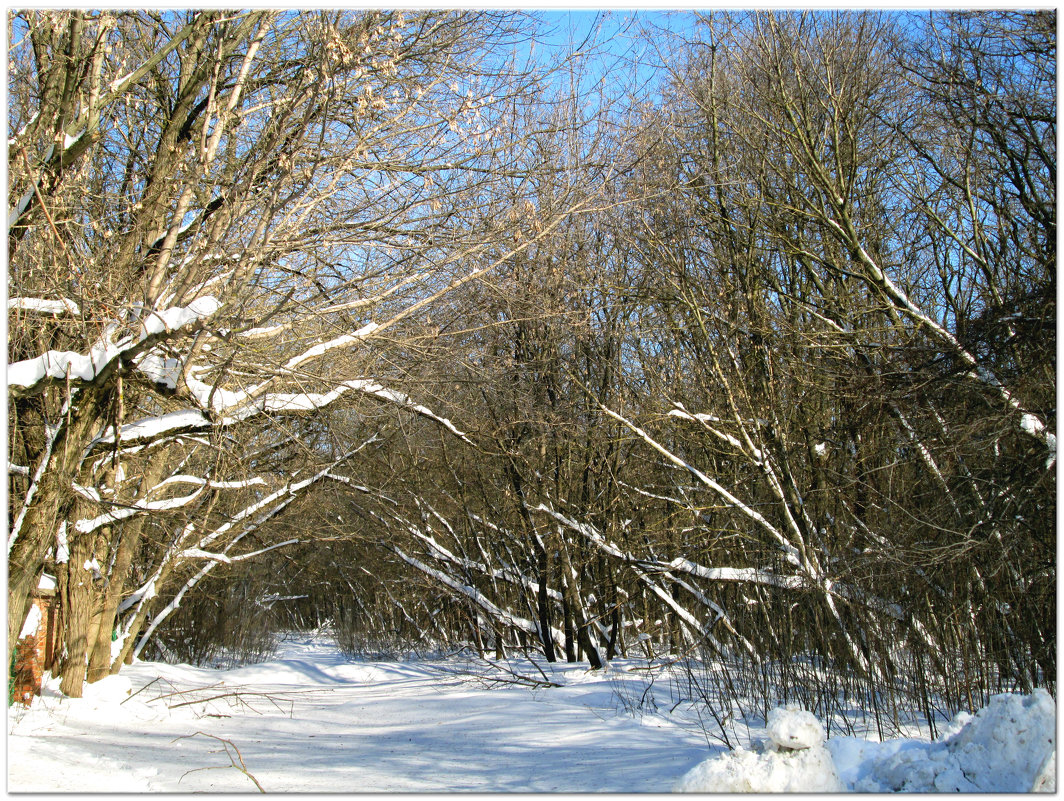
[[442, 554], [88, 525], [790, 552], [256, 514], [197, 553], [1030, 423], [43, 465], [249, 520], [44, 306], [475, 595], [282, 497], [30, 376], [143, 506], [206, 482], [242, 557], [189, 420], [705, 419]]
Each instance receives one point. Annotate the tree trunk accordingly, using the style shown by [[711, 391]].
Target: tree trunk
[[567, 617], [100, 657], [47, 510], [78, 603], [543, 604]]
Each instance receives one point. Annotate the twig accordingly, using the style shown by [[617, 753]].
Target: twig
[[190, 690], [522, 679], [237, 694], [242, 767], [47, 216], [142, 689]]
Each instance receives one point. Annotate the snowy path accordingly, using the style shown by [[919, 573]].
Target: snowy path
[[340, 726]]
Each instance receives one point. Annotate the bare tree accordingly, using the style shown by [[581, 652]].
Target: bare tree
[[229, 208]]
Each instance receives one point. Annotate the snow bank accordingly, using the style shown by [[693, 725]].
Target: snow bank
[[44, 305], [1009, 746], [108, 690]]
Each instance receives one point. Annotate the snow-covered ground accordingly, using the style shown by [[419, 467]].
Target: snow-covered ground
[[313, 721], [321, 723]]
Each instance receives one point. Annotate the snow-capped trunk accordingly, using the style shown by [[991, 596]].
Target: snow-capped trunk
[[48, 503]]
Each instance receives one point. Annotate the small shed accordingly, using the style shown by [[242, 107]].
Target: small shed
[[39, 643], [49, 635]]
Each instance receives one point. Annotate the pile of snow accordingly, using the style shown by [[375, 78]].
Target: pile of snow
[[792, 760], [1009, 746], [790, 727]]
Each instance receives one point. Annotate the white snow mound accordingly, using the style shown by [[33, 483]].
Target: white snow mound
[[791, 727], [1009, 746], [794, 761], [809, 770]]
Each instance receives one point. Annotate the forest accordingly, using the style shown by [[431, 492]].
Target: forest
[[718, 336]]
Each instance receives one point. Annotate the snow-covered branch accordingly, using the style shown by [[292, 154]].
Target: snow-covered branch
[[197, 553], [30, 376], [476, 596], [790, 552], [279, 403], [44, 463], [510, 576], [1030, 423], [88, 525], [705, 419], [206, 482], [44, 306]]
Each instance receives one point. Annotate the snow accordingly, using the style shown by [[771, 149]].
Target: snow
[[230, 407], [256, 333], [197, 553], [311, 720], [807, 771], [44, 305], [338, 342], [85, 367], [152, 427], [147, 592], [165, 371], [171, 319], [32, 623], [1036, 428], [1031, 424], [1005, 747], [1009, 746], [62, 545], [321, 722], [88, 525], [794, 728]]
